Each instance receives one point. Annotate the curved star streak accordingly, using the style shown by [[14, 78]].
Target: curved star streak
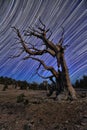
[[72, 15]]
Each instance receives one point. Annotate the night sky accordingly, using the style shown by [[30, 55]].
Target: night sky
[[71, 14]]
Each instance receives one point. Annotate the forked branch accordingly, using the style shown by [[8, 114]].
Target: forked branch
[[27, 49], [48, 77], [18, 55], [49, 68], [41, 34]]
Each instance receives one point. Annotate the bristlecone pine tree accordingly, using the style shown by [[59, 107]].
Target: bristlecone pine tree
[[55, 50]]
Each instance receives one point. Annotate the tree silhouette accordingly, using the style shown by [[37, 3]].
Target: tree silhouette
[[61, 76], [81, 83]]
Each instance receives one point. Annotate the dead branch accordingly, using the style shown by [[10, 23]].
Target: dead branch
[[49, 68], [48, 77], [42, 35], [51, 52], [18, 55], [28, 50], [44, 76], [49, 35], [62, 38], [44, 26]]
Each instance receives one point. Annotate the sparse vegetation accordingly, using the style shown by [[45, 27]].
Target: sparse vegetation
[[20, 98], [5, 87], [42, 113], [81, 83]]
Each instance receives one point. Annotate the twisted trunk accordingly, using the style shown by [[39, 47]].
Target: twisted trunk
[[67, 81]]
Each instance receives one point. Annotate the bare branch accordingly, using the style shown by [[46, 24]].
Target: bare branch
[[36, 51], [49, 44], [42, 52], [66, 46], [26, 57], [63, 31], [33, 33], [38, 68], [51, 79], [42, 24], [51, 52], [31, 29], [47, 30], [41, 36], [62, 37], [49, 35], [49, 68], [48, 77], [17, 55], [28, 50]]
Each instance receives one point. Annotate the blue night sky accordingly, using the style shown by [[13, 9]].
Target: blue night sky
[[71, 14]]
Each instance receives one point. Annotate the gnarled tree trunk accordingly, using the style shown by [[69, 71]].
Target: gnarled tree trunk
[[67, 81]]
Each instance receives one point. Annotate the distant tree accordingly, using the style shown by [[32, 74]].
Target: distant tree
[[55, 50], [43, 86], [77, 84], [22, 84], [5, 86], [34, 86], [81, 83], [1, 80]]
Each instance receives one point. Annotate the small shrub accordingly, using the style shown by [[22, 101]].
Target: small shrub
[[5, 87], [20, 98], [25, 101], [27, 127], [83, 94]]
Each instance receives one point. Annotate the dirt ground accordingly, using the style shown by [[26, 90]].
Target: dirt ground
[[41, 112]]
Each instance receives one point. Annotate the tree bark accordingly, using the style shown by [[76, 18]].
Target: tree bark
[[58, 86], [67, 81]]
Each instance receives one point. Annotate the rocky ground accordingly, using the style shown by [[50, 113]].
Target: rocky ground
[[38, 112]]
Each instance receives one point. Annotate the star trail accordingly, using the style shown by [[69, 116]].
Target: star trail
[[71, 14]]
